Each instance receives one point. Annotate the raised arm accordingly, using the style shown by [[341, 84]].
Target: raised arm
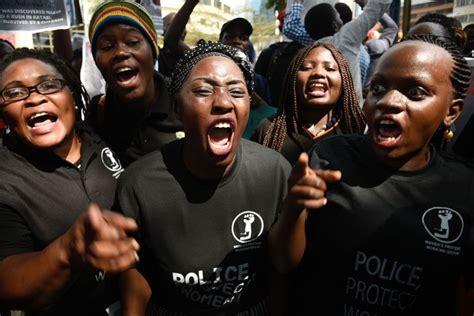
[[354, 33], [98, 239], [307, 187], [174, 35], [390, 29], [293, 27], [379, 46]]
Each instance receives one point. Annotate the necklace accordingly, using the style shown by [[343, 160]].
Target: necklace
[[314, 133]]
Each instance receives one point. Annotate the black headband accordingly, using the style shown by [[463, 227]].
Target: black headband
[[206, 49]]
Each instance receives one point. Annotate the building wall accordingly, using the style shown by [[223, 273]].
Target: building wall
[[441, 7], [207, 18], [464, 11], [422, 7]]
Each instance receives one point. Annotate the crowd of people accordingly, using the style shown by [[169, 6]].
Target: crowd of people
[[220, 185]]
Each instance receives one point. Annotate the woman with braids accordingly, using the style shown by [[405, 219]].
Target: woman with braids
[[318, 100], [56, 245], [202, 219], [383, 224]]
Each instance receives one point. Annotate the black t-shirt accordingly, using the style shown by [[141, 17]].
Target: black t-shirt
[[388, 242], [294, 144], [205, 240], [41, 196], [129, 135]]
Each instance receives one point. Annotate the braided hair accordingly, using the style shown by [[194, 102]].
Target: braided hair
[[71, 78], [346, 112], [460, 74]]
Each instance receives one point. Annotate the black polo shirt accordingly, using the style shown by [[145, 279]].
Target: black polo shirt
[[41, 195]]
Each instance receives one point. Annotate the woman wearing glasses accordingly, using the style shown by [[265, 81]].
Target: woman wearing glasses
[[56, 246]]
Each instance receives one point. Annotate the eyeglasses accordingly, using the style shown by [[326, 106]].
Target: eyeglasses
[[20, 93]]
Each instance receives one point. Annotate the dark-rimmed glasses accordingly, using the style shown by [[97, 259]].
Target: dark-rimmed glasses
[[20, 93]]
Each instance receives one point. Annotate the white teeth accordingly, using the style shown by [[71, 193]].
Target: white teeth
[[318, 84], [387, 122], [38, 115], [124, 69], [222, 125], [380, 137]]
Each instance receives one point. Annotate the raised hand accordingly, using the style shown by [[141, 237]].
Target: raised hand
[[99, 239], [307, 187]]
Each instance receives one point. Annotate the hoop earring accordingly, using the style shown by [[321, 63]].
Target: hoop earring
[[448, 134]]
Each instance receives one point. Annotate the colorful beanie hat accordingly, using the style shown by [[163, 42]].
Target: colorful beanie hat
[[123, 12]]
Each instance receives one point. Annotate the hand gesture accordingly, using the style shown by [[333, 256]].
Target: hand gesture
[[99, 239], [307, 187]]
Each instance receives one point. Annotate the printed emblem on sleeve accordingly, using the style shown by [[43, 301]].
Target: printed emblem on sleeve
[[444, 225], [247, 226], [111, 162]]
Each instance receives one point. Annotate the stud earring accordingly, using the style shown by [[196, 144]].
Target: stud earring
[[448, 134]]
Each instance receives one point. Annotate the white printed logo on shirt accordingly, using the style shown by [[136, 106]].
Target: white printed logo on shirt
[[443, 224], [247, 226], [111, 162]]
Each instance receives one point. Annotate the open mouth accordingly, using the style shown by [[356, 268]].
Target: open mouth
[[220, 138], [317, 89], [387, 132], [41, 119], [126, 75]]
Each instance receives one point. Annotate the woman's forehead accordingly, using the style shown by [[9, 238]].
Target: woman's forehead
[[413, 54], [28, 68], [218, 66]]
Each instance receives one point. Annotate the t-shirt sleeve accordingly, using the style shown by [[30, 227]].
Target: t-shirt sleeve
[[125, 199], [258, 134], [15, 236]]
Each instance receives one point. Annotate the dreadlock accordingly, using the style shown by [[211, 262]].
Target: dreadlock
[[72, 80], [460, 74], [346, 110]]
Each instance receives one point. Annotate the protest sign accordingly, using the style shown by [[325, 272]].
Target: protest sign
[[32, 15], [154, 8]]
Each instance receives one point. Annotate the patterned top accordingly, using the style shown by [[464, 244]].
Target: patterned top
[[293, 27]]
